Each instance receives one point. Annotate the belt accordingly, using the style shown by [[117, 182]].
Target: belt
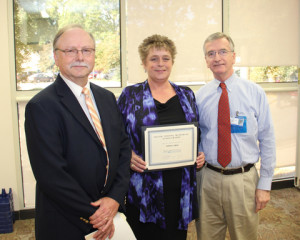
[[231, 171]]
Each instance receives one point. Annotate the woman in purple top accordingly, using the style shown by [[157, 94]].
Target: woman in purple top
[[160, 204]]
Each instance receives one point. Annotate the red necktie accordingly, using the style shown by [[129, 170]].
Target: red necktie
[[224, 129]]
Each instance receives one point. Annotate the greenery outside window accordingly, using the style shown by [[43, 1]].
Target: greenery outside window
[[36, 23], [269, 74]]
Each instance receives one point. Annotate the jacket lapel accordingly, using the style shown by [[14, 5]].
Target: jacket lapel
[[72, 105]]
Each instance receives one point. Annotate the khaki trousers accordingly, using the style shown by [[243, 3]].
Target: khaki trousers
[[227, 201]]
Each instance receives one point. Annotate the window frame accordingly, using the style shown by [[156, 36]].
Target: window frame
[[24, 96]]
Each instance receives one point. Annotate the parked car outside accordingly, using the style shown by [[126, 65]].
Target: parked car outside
[[41, 77]]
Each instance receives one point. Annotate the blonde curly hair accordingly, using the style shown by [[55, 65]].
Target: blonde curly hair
[[158, 42]]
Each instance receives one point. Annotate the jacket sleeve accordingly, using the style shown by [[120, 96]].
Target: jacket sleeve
[[120, 184], [44, 136]]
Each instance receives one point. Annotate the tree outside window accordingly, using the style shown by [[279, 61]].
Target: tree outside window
[[35, 25]]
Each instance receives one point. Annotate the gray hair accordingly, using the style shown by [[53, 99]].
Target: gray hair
[[66, 28], [219, 35]]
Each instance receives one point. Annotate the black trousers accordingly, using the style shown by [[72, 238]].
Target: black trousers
[[151, 231]]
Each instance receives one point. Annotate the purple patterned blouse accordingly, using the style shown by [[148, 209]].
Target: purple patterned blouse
[[146, 189]]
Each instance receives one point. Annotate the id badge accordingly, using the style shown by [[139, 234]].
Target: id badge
[[239, 124]]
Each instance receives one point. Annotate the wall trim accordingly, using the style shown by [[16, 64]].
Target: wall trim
[[30, 213], [24, 214]]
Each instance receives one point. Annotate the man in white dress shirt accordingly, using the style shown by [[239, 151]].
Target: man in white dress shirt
[[230, 196]]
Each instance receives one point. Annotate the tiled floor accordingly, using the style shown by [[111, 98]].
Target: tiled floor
[[280, 220]]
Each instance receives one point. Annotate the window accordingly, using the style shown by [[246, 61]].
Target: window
[[269, 74], [187, 23], [266, 35], [36, 23], [283, 105]]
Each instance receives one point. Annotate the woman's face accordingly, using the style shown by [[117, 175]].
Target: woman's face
[[158, 64]]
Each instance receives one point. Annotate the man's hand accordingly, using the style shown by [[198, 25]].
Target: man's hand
[[262, 197], [200, 159], [102, 219], [99, 235]]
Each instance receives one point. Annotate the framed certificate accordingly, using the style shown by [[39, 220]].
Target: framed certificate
[[170, 146]]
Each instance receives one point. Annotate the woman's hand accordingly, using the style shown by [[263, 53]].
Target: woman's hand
[[137, 164], [200, 159]]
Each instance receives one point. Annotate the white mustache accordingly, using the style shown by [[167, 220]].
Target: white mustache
[[79, 64]]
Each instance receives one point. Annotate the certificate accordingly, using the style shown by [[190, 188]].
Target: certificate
[[170, 146]]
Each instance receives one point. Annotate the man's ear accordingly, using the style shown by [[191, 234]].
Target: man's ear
[[55, 57], [234, 57]]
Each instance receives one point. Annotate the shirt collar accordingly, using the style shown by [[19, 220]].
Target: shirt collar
[[228, 82], [76, 89]]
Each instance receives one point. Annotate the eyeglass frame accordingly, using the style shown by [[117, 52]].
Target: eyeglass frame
[[221, 53], [74, 52]]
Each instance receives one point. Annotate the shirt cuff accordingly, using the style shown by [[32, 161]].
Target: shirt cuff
[[264, 183]]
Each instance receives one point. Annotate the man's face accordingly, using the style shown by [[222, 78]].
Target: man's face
[[75, 68], [221, 66]]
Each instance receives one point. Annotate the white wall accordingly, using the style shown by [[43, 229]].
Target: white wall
[[10, 173]]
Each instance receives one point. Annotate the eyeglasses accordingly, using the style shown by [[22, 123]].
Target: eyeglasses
[[86, 52], [222, 53]]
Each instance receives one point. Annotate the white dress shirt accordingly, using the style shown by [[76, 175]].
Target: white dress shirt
[[77, 91]]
